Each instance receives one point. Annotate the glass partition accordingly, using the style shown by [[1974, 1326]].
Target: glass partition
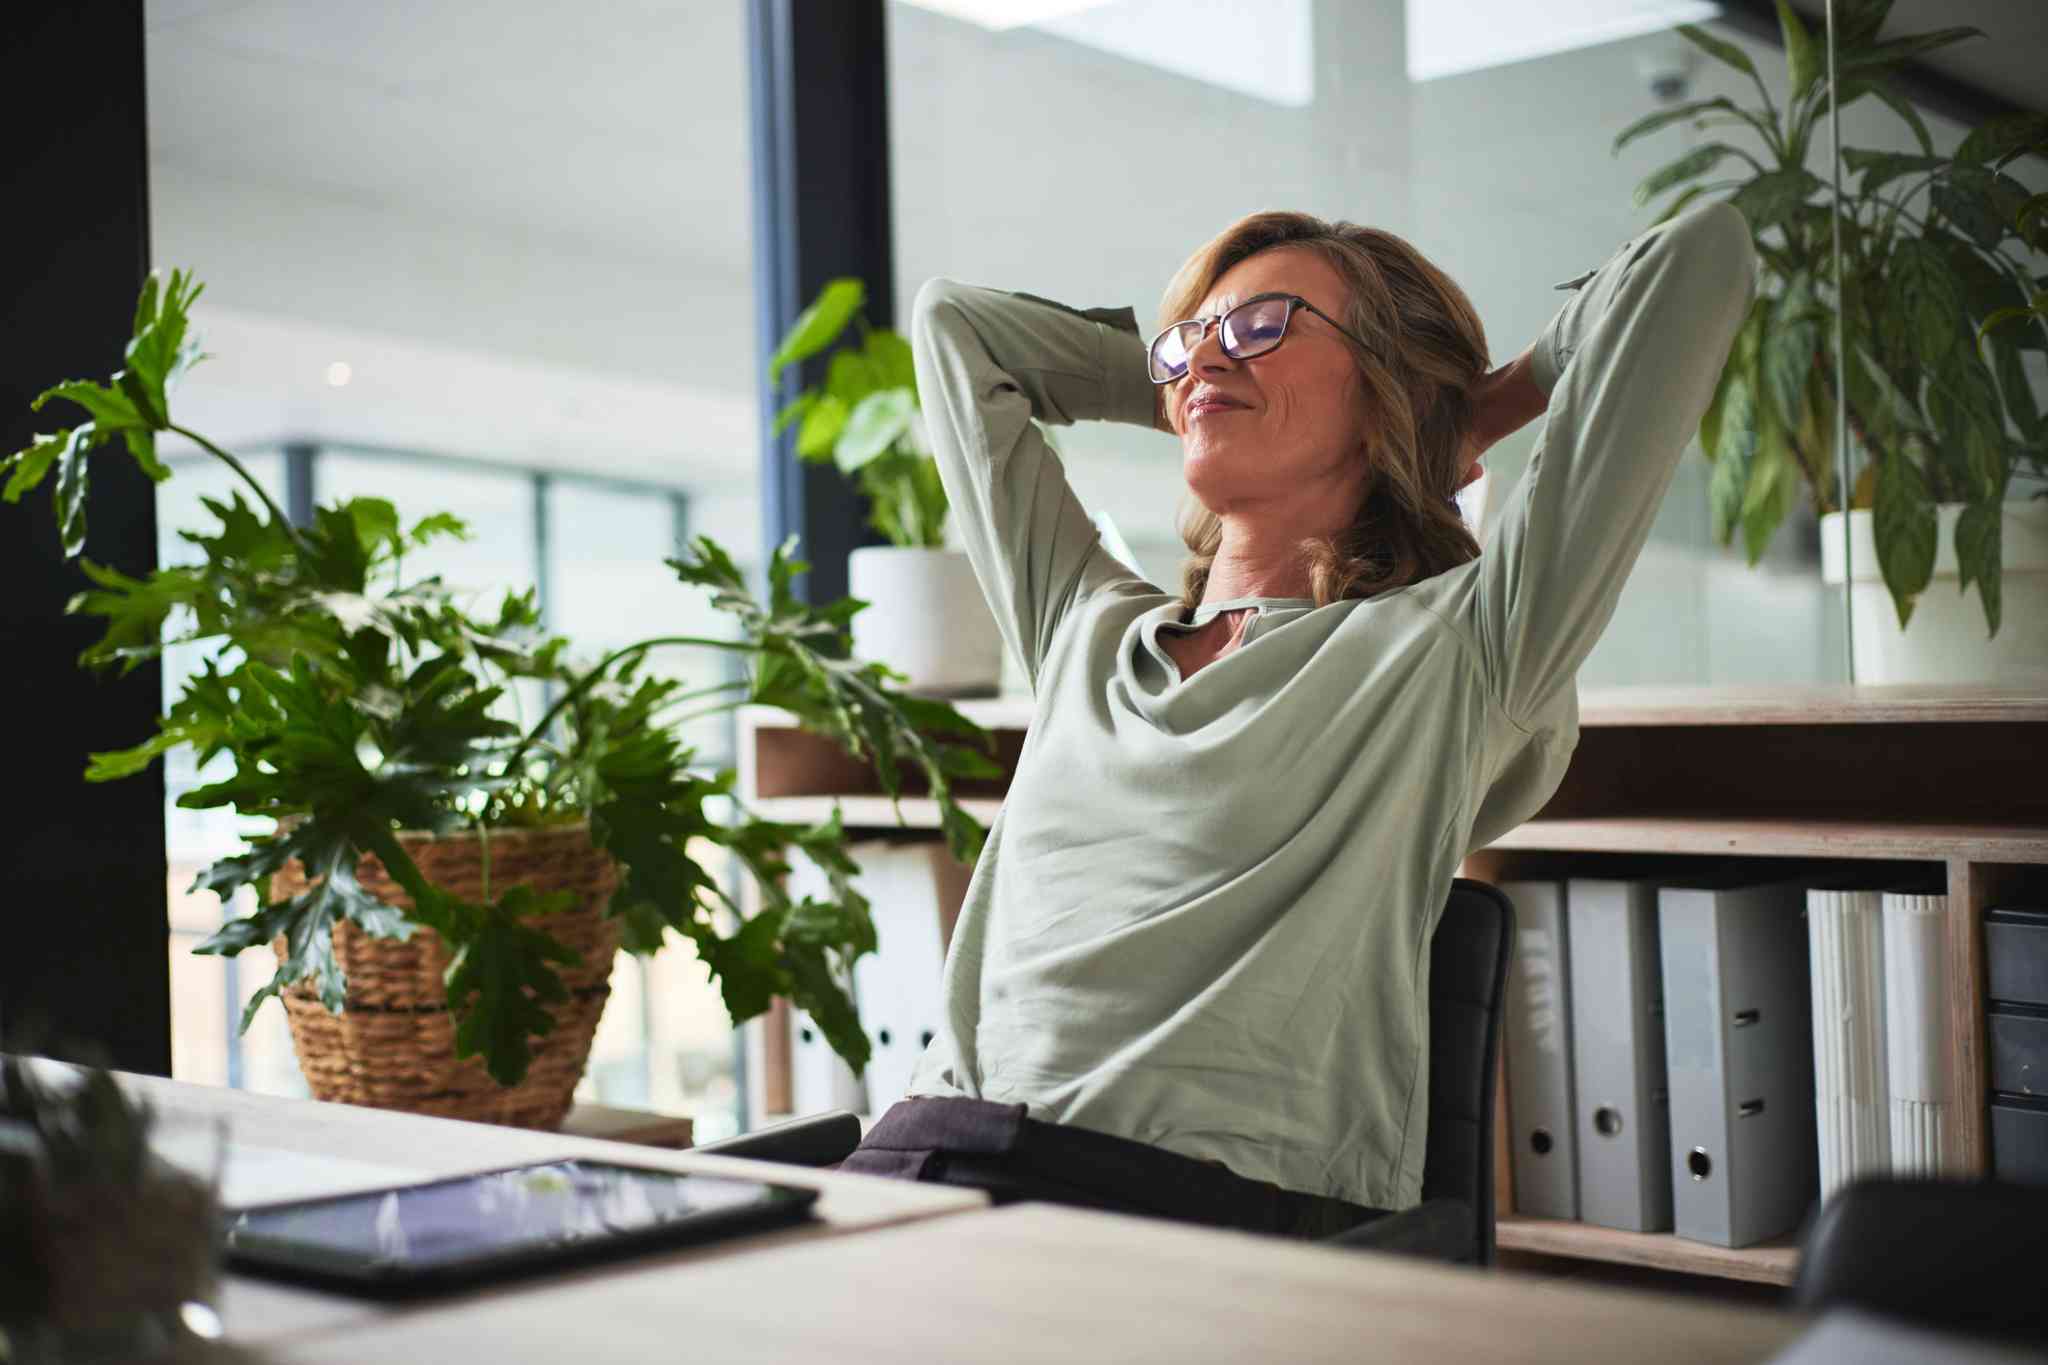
[[1084, 158], [468, 267]]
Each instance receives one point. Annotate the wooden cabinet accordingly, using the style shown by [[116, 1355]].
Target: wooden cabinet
[[1951, 780]]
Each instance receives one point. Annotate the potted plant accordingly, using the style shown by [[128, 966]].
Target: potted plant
[[364, 712], [1941, 418], [927, 617]]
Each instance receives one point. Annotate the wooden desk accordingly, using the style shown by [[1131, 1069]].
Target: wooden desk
[[1035, 1282], [339, 1146]]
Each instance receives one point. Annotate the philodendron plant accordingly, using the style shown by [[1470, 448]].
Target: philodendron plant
[[349, 701], [864, 417], [1929, 251]]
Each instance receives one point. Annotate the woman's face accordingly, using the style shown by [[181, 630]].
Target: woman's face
[[1286, 427]]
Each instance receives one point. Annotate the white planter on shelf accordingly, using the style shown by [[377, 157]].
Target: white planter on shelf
[[1948, 640], [926, 619]]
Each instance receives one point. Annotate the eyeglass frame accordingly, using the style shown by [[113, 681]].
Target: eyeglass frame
[[1216, 320]]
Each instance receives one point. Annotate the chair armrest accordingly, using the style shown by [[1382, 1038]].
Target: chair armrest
[[815, 1140], [1440, 1229]]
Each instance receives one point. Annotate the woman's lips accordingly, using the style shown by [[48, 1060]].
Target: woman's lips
[[1203, 407]]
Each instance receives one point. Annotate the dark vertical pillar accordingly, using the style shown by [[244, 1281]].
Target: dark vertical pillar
[[299, 476], [821, 209], [85, 952]]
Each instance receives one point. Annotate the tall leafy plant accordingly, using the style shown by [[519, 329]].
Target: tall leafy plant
[[349, 701], [864, 416], [1929, 252]]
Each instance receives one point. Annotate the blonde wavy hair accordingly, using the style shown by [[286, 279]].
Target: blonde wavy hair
[[1427, 351]]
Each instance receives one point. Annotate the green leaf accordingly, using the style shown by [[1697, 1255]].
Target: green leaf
[[376, 524], [1773, 480], [793, 411], [822, 424], [1999, 137], [1791, 347], [1735, 453], [1879, 169], [1979, 554], [890, 355], [1691, 166], [502, 979], [1802, 54], [1899, 50], [1774, 196], [1906, 530], [1720, 50], [135, 611], [1857, 21], [1984, 204], [850, 377], [72, 485], [873, 426], [818, 325], [1928, 293], [437, 526], [1665, 117], [28, 466], [1905, 109]]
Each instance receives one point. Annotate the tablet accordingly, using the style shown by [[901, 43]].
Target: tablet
[[481, 1228]]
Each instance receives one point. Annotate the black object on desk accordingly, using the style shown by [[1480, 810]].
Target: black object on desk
[[478, 1229]]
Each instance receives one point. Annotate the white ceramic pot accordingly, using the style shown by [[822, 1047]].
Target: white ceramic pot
[[1948, 640], [925, 619]]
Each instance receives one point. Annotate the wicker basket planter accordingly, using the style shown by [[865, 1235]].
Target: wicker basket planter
[[393, 1046]]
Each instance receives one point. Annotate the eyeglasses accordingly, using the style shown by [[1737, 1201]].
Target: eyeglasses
[[1252, 328]]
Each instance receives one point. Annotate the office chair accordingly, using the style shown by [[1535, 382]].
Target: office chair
[[1962, 1255], [1468, 963]]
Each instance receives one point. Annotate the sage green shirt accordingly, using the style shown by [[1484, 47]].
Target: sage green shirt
[[1202, 918]]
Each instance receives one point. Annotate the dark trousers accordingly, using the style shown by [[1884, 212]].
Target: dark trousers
[[994, 1147]]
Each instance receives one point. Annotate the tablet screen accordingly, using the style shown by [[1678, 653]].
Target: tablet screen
[[497, 1216]]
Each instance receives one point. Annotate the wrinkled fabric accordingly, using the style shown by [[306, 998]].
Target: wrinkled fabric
[[1202, 917]]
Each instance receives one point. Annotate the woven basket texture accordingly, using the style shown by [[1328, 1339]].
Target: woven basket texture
[[393, 1046]]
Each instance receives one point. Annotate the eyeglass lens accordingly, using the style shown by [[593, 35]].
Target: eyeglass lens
[[1250, 329]]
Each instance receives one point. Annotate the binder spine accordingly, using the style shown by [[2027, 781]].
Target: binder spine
[[1916, 1029], [1852, 1106], [1539, 1043]]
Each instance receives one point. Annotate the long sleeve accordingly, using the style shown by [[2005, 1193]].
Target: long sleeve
[[988, 363], [1630, 364]]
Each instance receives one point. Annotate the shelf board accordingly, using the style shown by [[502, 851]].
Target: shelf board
[[869, 812], [1814, 704], [1771, 1263], [1783, 838]]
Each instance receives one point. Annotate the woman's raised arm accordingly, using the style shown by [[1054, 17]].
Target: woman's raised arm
[[988, 363], [1629, 364]]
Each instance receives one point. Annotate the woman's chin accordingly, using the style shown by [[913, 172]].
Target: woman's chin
[[1217, 475]]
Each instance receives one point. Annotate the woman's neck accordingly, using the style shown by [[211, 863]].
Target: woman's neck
[[1257, 562]]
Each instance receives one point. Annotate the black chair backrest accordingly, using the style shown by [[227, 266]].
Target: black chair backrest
[[1962, 1255], [1468, 968]]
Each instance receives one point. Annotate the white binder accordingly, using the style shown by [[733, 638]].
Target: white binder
[[1916, 1028], [914, 891], [1539, 1043], [1852, 1095], [1738, 1031], [1623, 1116]]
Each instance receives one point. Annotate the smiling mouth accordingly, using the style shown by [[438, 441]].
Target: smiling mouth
[[1205, 406]]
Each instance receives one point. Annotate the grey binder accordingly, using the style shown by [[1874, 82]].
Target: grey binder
[[1539, 1041], [1623, 1117], [1738, 1028]]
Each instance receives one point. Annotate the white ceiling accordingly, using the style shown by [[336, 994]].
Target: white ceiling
[[612, 124]]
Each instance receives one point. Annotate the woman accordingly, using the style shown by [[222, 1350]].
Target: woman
[[1190, 976]]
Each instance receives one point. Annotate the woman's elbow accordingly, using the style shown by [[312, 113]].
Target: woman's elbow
[[1714, 242]]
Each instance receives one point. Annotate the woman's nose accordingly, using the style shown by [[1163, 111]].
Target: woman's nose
[[1208, 356]]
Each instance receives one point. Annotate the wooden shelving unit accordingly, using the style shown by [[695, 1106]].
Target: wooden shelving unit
[[1945, 779]]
